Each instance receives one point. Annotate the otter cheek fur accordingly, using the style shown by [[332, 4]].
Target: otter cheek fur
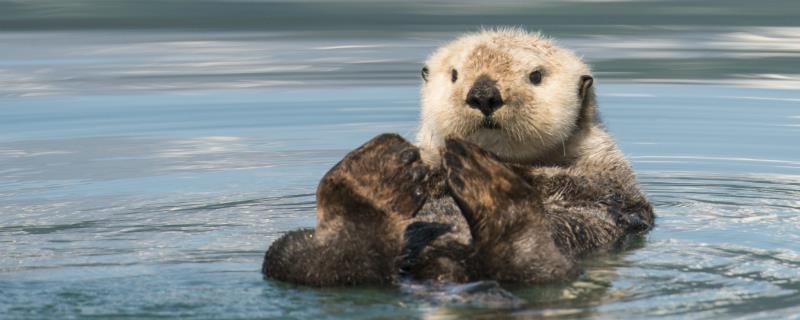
[[512, 178]]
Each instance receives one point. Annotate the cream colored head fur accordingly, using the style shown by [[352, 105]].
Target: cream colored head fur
[[535, 119]]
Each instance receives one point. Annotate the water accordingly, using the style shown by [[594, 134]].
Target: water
[[151, 151]]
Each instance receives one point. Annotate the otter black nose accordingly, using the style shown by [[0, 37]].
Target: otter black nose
[[484, 95]]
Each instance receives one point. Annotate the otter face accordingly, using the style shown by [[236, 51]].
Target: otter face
[[511, 92]]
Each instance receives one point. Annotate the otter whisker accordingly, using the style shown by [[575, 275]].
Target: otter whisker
[[535, 130]]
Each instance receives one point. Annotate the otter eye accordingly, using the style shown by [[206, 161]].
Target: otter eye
[[535, 77], [454, 75]]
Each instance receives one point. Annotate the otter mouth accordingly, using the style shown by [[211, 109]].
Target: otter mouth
[[489, 123]]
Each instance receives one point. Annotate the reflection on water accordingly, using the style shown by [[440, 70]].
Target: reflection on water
[[92, 62], [149, 157]]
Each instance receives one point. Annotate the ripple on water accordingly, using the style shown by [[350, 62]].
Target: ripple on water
[[724, 245], [154, 168], [128, 232], [715, 252]]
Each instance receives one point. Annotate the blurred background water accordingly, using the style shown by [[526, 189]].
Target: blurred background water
[[150, 151]]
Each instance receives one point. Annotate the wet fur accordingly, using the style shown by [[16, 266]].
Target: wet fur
[[383, 214], [521, 204]]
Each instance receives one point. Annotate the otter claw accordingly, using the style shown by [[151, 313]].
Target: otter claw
[[456, 146], [409, 156], [418, 174], [451, 160]]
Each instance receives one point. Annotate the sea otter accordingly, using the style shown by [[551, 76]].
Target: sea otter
[[513, 178]]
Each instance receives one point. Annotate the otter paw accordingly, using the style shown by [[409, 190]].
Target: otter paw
[[629, 221], [490, 195], [383, 176]]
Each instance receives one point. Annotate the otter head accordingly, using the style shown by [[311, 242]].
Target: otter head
[[511, 92]]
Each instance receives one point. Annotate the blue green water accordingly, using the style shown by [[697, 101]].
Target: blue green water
[[150, 151]]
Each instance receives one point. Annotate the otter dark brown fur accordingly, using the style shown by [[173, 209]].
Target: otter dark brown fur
[[383, 214], [521, 199]]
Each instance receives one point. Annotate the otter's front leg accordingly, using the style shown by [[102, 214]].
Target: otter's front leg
[[512, 237], [614, 192], [363, 205]]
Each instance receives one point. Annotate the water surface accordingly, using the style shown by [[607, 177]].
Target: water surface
[[149, 157]]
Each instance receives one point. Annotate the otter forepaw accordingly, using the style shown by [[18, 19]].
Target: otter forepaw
[[630, 221], [488, 192], [505, 217], [384, 176]]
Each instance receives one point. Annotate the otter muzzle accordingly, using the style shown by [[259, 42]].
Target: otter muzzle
[[484, 95]]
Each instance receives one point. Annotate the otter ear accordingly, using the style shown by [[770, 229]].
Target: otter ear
[[586, 83], [424, 73], [588, 114]]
